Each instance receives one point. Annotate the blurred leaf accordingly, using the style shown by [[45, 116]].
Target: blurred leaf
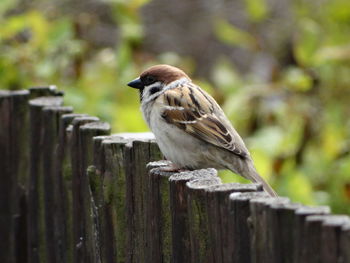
[[262, 162], [225, 76], [205, 85], [339, 187], [129, 3], [129, 118], [339, 10], [132, 31], [298, 188], [256, 9], [5, 5], [335, 53], [124, 57], [332, 140], [267, 140], [228, 176], [60, 31], [297, 79], [308, 40], [292, 125], [231, 35]]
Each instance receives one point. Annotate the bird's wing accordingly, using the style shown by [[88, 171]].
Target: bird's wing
[[194, 111]]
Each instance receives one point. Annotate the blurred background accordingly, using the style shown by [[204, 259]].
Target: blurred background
[[279, 68]]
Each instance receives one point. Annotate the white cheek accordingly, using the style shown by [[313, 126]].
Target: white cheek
[[146, 94]]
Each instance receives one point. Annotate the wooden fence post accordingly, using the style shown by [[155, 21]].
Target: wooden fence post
[[87, 132], [84, 129], [112, 207], [81, 253], [219, 220], [239, 248], [345, 244], [331, 237], [97, 189], [281, 238], [180, 228], [51, 120], [36, 221], [122, 203], [44, 91], [201, 249], [300, 245], [260, 227], [137, 155], [181, 248], [167, 213], [313, 237], [14, 152], [63, 175], [323, 238], [158, 215]]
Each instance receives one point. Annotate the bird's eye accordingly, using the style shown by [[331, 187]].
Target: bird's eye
[[149, 80]]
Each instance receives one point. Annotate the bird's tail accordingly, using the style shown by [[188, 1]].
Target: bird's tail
[[249, 172], [256, 178]]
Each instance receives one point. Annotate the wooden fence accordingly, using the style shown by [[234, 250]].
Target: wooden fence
[[71, 192]]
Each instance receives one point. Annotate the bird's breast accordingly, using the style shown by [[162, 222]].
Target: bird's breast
[[178, 146]]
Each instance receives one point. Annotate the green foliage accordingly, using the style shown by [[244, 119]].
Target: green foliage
[[295, 123], [256, 9], [231, 35]]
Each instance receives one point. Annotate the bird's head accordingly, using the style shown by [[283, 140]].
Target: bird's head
[[154, 79]]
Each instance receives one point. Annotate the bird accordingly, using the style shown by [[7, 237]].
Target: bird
[[190, 128]]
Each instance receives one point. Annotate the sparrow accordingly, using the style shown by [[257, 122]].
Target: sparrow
[[190, 128]]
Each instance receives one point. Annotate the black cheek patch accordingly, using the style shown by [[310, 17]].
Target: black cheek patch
[[154, 90], [141, 93]]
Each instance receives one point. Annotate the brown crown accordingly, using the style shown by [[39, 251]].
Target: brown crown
[[164, 73]]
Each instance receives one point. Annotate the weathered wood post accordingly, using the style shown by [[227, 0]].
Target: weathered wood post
[[84, 129], [345, 243], [112, 209], [180, 232], [107, 245], [64, 195], [36, 216], [121, 205], [158, 224], [137, 155], [87, 132], [81, 252], [180, 225], [313, 238], [14, 152], [51, 119], [300, 245], [323, 238], [239, 246], [44, 91], [220, 223], [201, 247], [281, 231], [261, 227], [331, 237]]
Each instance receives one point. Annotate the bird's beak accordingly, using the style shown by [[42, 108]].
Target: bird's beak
[[136, 84]]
